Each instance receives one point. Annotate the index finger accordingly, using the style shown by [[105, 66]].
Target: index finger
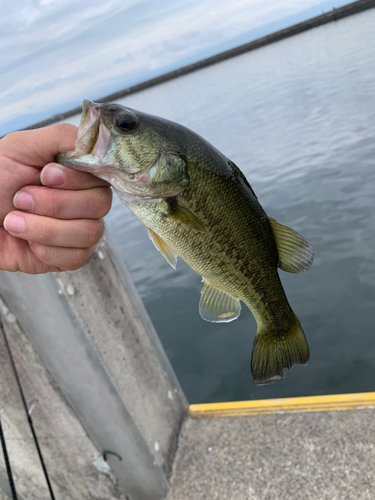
[[40, 146]]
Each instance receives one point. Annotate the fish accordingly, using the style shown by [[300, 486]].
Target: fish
[[197, 205]]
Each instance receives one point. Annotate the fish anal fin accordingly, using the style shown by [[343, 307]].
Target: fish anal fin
[[217, 306], [163, 248], [295, 254]]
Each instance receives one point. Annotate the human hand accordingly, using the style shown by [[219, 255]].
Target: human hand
[[51, 217]]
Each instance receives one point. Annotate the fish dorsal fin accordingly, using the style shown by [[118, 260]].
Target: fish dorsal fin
[[163, 248], [217, 306], [184, 216], [295, 254]]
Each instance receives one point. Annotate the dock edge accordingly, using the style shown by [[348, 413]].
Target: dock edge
[[334, 402]]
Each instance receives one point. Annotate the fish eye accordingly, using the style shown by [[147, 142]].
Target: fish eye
[[127, 122]]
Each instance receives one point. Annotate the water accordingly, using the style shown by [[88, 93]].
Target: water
[[298, 118]]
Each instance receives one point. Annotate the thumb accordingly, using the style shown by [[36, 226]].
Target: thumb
[[40, 146]]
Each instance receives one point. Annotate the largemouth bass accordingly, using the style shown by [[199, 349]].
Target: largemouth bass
[[198, 205]]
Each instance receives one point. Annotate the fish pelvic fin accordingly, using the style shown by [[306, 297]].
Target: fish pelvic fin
[[295, 254], [163, 248], [217, 306], [275, 353]]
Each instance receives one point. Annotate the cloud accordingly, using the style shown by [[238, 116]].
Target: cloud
[[56, 50]]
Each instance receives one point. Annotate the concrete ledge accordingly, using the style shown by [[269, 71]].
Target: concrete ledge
[[94, 337], [326, 455], [74, 465], [287, 405]]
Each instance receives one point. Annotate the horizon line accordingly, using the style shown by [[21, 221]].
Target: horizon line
[[334, 15]]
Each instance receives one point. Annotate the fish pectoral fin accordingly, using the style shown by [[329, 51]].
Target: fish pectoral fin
[[295, 254], [183, 215], [163, 248], [217, 306]]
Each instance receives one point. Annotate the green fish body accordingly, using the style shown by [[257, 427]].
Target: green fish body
[[198, 205]]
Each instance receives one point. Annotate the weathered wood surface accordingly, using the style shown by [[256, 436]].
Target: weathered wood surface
[[85, 348]]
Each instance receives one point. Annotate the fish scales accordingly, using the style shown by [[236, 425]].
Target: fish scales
[[225, 253], [199, 206]]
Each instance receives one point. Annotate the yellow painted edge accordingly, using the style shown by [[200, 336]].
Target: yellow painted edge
[[289, 405]]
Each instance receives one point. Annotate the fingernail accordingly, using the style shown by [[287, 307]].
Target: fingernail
[[14, 223], [23, 201], [52, 176]]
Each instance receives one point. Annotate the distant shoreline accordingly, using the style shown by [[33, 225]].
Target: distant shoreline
[[333, 15]]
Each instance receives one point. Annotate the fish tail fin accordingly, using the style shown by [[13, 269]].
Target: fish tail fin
[[275, 352]]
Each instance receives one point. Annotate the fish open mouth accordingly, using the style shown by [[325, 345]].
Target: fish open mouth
[[88, 130], [93, 140], [94, 153], [93, 135]]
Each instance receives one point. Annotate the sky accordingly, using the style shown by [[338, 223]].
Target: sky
[[54, 53]]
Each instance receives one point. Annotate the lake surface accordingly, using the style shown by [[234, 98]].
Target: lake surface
[[298, 118]]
